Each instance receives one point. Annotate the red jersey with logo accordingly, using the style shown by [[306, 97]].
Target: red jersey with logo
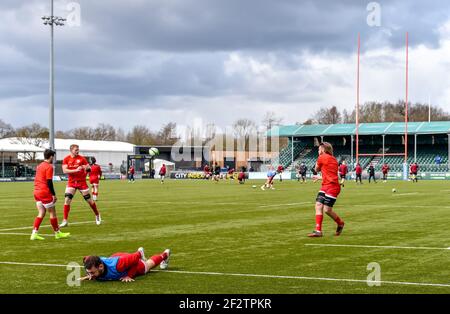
[[385, 169], [44, 172], [162, 171], [131, 171], [72, 164], [241, 176], [414, 168], [206, 169], [343, 170], [95, 174], [280, 169], [358, 169], [328, 165]]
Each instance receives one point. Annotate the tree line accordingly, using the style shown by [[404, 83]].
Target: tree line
[[139, 135], [379, 112], [242, 128]]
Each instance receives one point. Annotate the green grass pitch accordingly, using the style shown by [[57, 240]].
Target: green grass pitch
[[215, 230]]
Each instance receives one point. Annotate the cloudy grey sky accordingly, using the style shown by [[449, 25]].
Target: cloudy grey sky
[[154, 61]]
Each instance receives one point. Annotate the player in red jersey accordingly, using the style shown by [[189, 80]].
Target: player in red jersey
[[241, 177], [328, 165], [44, 194], [207, 171], [230, 173], [162, 172], [131, 174], [94, 177], [280, 170], [76, 167], [385, 169], [414, 169], [358, 173], [343, 170]]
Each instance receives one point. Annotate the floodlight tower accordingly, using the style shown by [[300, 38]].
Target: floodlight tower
[[52, 21]]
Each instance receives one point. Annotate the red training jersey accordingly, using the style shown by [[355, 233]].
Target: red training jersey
[[96, 171], [162, 171], [44, 172], [131, 171], [385, 169], [241, 176], [414, 168], [206, 169], [358, 169], [72, 164], [328, 165], [343, 169], [280, 169]]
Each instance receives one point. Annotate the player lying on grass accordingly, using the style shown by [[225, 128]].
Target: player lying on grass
[[328, 165], [76, 168], [44, 194], [123, 266]]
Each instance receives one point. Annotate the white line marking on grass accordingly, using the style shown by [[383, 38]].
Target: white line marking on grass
[[25, 234], [305, 278], [402, 194], [257, 275], [35, 264], [289, 204], [31, 227], [380, 246]]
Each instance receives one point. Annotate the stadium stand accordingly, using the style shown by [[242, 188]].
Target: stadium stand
[[430, 141]]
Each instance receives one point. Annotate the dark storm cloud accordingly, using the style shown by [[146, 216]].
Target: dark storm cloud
[[132, 53]]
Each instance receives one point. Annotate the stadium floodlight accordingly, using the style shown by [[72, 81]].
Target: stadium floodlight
[[52, 20]]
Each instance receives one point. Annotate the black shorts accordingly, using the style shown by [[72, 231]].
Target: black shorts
[[325, 199], [342, 176]]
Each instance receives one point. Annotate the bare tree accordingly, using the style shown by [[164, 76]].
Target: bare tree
[[271, 119], [140, 135], [243, 128], [167, 134], [6, 130], [104, 132], [328, 116], [33, 134], [309, 122], [348, 116], [120, 135], [82, 133]]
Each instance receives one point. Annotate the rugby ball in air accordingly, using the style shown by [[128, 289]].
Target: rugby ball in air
[[153, 151]]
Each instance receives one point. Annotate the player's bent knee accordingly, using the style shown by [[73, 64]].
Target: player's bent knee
[[68, 195]]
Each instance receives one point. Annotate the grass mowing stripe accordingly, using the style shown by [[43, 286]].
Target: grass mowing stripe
[[31, 227], [258, 275], [380, 246], [25, 234]]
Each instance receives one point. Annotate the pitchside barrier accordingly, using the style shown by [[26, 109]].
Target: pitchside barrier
[[198, 175]]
